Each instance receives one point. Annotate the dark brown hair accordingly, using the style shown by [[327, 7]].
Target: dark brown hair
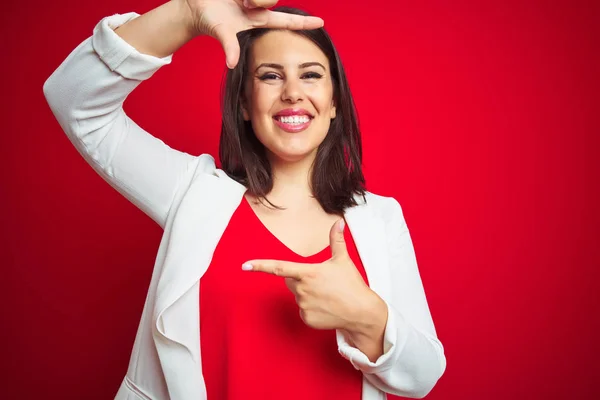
[[336, 174]]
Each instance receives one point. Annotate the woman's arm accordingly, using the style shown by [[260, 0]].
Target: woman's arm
[[86, 94], [413, 357]]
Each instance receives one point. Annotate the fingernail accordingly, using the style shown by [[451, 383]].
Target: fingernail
[[247, 266], [246, 3], [342, 224]]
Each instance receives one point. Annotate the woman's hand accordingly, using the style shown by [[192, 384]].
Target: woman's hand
[[223, 19], [333, 294]]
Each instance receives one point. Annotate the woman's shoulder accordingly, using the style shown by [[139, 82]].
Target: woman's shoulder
[[384, 207], [205, 166], [379, 202], [205, 163]]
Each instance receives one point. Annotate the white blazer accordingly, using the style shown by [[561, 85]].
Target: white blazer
[[193, 201]]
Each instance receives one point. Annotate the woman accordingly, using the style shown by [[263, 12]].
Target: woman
[[254, 259]]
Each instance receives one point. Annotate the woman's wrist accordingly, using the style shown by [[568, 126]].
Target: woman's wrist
[[367, 330], [161, 31], [185, 17]]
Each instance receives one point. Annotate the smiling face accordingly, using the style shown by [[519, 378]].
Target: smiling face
[[288, 95]]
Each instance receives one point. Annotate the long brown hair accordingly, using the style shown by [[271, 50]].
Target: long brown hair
[[336, 174]]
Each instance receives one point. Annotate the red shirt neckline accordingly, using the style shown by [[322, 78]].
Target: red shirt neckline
[[257, 219]]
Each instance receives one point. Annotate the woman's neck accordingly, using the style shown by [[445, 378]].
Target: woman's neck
[[291, 181]]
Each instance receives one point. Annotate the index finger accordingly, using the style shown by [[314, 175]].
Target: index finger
[[280, 20], [260, 3], [284, 269]]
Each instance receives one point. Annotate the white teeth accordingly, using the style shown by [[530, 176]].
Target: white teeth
[[295, 119]]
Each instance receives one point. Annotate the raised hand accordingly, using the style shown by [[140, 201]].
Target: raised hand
[[223, 19]]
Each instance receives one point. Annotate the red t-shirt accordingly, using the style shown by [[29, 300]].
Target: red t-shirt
[[254, 344]]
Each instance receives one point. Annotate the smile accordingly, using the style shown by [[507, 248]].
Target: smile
[[296, 123]]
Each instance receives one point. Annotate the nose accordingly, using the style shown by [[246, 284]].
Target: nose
[[292, 91]]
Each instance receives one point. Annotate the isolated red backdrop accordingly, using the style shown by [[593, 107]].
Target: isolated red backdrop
[[481, 118]]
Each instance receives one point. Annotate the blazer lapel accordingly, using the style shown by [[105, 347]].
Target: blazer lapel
[[200, 221], [368, 231]]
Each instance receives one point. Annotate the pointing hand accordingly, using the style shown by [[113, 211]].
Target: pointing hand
[[330, 295]]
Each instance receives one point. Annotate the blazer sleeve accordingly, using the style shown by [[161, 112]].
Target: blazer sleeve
[[86, 95], [414, 358]]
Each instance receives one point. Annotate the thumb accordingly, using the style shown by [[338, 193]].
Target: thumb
[[336, 239], [230, 45]]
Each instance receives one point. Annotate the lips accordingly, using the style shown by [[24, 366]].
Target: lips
[[291, 112], [285, 119], [292, 127]]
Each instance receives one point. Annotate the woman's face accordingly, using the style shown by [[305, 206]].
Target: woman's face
[[289, 95]]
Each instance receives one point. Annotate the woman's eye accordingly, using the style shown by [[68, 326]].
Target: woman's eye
[[268, 76], [312, 75], [308, 75]]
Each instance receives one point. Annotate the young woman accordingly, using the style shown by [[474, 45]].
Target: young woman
[[258, 289]]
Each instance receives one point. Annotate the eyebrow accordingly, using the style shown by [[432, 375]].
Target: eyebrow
[[280, 67]]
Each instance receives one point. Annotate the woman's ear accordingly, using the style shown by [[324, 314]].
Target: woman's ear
[[245, 112], [332, 113]]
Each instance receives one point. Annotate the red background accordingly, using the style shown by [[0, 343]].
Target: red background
[[481, 118]]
